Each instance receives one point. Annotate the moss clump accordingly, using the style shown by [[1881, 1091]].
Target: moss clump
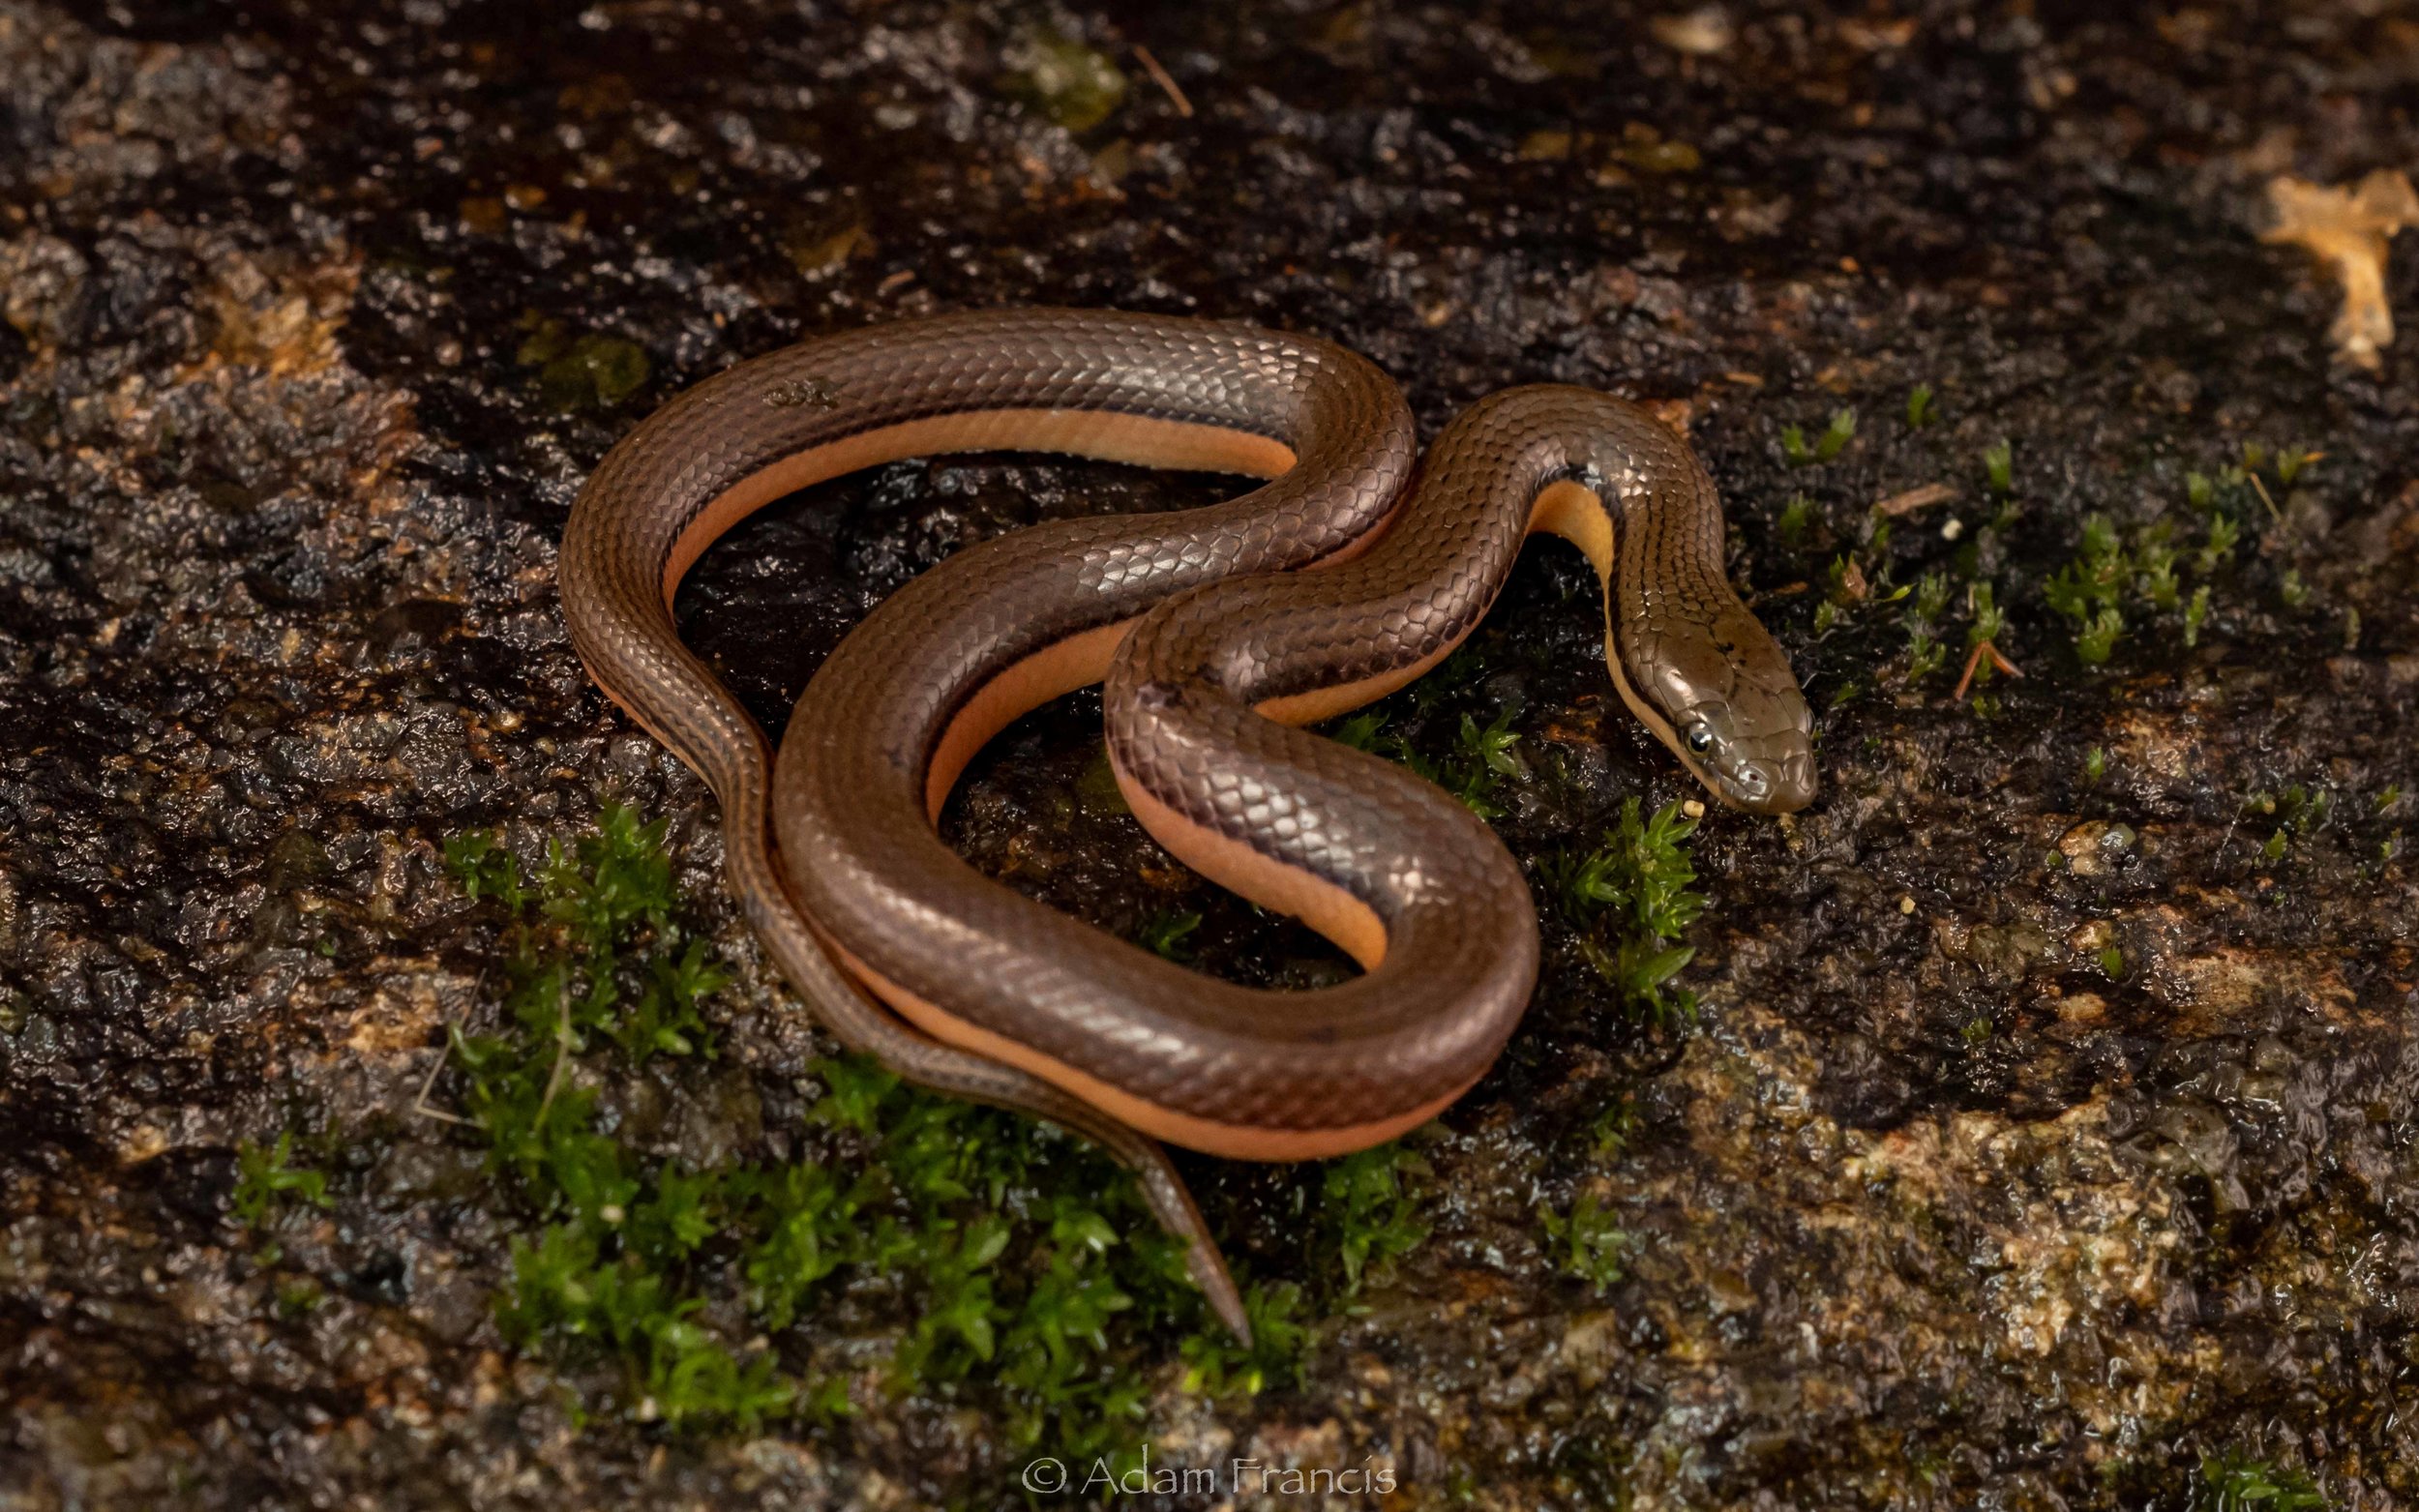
[[1369, 1211], [1923, 408], [1925, 654], [586, 372], [1011, 1269], [1471, 769], [1824, 448], [1062, 79], [1165, 935], [1589, 1242], [2235, 1481], [266, 1184], [1630, 899]]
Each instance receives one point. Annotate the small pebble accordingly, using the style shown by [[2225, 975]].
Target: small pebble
[[2092, 846], [1693, 808]]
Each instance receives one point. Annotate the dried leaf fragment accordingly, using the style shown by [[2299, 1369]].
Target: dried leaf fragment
[[1700, 33], [2349, 228]]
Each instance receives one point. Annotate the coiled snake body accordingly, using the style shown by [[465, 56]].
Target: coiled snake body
[[1213, 649]]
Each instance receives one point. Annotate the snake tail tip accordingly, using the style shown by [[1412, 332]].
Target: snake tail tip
[[1217, 1285]]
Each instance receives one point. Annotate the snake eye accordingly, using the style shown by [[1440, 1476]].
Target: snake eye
[[1700, 738]]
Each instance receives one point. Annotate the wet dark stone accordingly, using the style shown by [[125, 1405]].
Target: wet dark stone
[[413, 626]]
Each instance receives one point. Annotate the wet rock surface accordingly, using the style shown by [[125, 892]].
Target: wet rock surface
[[2046, 1121]]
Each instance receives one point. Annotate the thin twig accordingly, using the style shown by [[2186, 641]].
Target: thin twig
[[562, 1054], [420, 1104], [444, 1057], [2262, 490], [1913, 499], [1974, 660], [1166, 82]]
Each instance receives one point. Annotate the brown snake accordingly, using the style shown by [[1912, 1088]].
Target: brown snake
[[1213, 649]]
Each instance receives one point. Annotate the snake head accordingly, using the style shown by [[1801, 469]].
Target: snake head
[[1760, 773], [1736, 716]]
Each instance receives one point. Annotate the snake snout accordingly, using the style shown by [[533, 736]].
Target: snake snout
[[1777, 785]]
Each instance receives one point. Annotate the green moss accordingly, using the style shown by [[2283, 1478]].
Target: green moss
[[2154, 566], [1589, 1242], [1062, 79], [1647, 149], [1922, 616], [1482, 757], [2300, 811], [1027, 1278], [1826, 447], [2236, 1481], [1925, 655], [1471, 769], [2095, 639], [266, 1181], [1164, 935], [1932, 597], [1921, 410], [1097, 789], [1361, 731], [1368, 1213], [2087, 591], [299, 1298], [1612, 1130], [2217, 545], [1797, 521], [1986, 621], [2305, 810], [1629, 899], [1999, 467], [575, 372], [2107, 575], [1218, 1365], [2301, 814]]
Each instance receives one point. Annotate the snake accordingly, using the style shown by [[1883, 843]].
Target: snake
[[1218, 634]]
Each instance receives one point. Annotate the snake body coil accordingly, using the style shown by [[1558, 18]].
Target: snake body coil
[[1218, 631]]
